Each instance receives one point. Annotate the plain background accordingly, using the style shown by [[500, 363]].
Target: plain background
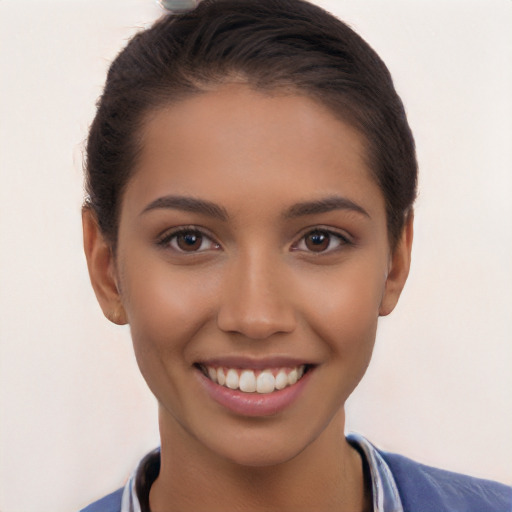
[[76, 415]]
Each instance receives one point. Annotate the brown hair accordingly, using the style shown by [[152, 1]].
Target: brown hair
[[285, 45]]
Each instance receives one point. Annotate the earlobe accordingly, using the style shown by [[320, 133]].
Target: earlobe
[[399, 269], [101, 265]]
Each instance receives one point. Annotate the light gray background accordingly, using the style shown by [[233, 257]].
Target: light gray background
[[76, 415]]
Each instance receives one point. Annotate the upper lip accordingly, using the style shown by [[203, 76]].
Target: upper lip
[[244, 362]]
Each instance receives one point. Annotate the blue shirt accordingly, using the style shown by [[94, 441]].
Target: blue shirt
[[398, 485]]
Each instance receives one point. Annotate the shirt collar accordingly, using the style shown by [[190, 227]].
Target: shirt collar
[[130, 501], [384, 489]]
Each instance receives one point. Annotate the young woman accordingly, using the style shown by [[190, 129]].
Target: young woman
[[251, 177]]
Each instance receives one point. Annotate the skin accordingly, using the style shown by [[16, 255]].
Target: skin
[[255, 286]]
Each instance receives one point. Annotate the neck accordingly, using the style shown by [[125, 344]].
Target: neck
[[326, 475]]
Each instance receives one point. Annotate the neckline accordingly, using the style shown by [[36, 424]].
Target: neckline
[[377, 477]]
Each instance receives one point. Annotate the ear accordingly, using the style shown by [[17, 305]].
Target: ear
[[399, 269], [102, 270]]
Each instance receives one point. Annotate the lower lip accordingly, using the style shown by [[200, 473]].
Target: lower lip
[[254, 404]]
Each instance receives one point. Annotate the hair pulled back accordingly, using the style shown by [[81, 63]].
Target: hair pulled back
[[273, 45]]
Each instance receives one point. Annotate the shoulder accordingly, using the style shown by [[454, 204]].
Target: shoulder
[[110, 503], [427, 489]]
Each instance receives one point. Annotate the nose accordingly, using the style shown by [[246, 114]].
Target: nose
[[256, 301]]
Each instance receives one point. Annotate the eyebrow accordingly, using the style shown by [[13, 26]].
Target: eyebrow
[[188, 204], [201, 206], [325, 205]]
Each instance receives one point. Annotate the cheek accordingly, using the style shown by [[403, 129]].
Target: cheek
[[348, 326], [166, 306], [342, 307]]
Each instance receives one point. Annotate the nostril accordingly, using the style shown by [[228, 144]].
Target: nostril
[[257, 327]]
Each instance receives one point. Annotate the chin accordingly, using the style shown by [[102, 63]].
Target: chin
[[263, 443], [260, 455]]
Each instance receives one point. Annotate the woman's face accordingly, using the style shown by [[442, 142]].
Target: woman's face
[[252, 244]]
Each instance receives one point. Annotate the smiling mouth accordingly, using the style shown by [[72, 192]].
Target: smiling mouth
[[254, 381]]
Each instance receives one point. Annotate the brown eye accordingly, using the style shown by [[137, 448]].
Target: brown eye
[[321, 241], [189, 241], [317, 241]]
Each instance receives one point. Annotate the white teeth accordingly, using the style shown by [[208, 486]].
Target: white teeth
[[247, 381], [281, 379], [212, 372], [265, 382], [293, 377], [232, 379], [221, 377]]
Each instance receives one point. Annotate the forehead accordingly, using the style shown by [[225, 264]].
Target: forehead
[[236, 141]]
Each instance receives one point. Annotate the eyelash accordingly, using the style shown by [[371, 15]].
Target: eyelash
[[166, 241], [342, 240]]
